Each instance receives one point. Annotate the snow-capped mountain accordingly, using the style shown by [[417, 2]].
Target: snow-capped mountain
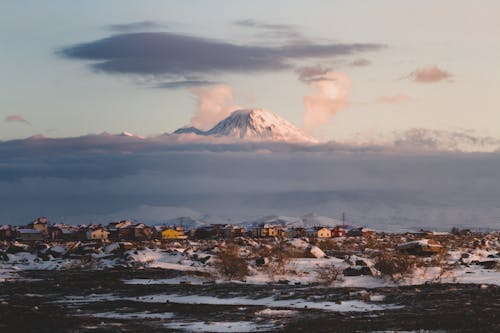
[[253, 124], [307, 221]]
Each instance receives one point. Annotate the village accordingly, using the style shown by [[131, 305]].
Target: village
[[41, 229]]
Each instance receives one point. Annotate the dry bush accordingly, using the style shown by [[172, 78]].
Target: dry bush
[[280, 256], [229, 264], [394, 264], [329, 245], [328, 274]]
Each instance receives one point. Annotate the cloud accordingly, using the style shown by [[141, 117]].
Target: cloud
[[137, 26], [395, 99], [330, 98], [429, 75], [213, 104], [184, 84], [382, 190], [258, 24], [271, 29], [441, 140], [163, 53], [310, 74], [361, 62], [16, 118]]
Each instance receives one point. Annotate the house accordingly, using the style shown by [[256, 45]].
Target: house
[[231, 231], [73, 234], [6, 232], [267, 230], [64, 232], [141, 232], [323, 233], [121, 230], [338, 231], [173, 233], [40, 224], [211, 231], [318, 232], [129, 231], [79, 235], [295, 232], [30, 235], [55, 233], [97, 233], [360, 232]]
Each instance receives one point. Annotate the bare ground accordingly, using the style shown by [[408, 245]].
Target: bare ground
[[33, 304]]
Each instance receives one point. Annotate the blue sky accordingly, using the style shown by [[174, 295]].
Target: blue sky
[[65, 97]]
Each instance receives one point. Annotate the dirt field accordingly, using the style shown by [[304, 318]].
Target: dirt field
[[100, 301]]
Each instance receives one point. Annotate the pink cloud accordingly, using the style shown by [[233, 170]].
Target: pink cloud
[[429, 75], [330, 98], [396, 99], [16, 118], [214, 103]]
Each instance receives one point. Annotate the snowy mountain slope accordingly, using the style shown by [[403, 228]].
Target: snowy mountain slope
[[253, 124]]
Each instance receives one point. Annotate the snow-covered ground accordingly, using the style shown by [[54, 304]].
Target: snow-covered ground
[[217, 326], [196, 263], [271, 302]]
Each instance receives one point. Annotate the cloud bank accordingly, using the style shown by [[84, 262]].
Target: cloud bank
[[386, 191], [413, 182]]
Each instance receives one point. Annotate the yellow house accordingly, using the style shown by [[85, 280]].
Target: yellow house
[[269, 231], [171, 233], [98, 233], [324, 233], [319, 232]]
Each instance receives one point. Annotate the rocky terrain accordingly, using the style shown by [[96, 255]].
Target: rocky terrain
[[388, 282]]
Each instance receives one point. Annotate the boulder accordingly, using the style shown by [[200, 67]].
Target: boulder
[[357, 271]]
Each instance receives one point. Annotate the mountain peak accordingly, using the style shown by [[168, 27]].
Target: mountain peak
[[254, 124]]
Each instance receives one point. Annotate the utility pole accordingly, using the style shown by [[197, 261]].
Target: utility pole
[[343, 219]]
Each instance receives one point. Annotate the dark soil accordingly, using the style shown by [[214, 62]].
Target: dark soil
[[42, 305]]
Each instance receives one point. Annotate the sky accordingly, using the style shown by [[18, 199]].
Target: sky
[[408, 64], [402, 97]]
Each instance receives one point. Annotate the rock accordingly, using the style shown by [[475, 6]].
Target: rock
[[316, 252], [490, 264], [261, 261], [355, 271], [360, 262]]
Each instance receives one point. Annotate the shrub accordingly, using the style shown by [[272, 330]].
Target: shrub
[[229, 264], [327, 274], [395, 265]]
